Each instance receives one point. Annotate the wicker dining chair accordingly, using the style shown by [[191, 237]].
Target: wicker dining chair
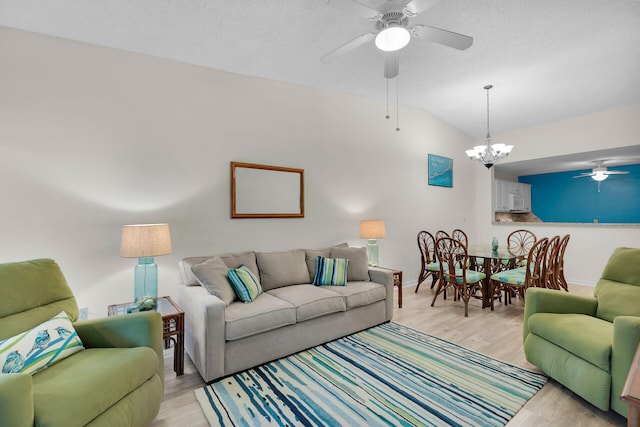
[[560, 280], [549, 268], [519, 243], [517, 280], [465, 283], [440, 234], [460, 236], [429, 261]]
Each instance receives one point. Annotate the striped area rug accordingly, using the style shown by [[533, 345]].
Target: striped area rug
[[387, 375]]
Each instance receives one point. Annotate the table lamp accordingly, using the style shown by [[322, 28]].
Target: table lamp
[[144, 241], [372, 230]]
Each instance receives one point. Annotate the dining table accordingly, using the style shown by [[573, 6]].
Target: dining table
[[484, 259]]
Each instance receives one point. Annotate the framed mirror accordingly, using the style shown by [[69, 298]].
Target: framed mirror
[[262, 191]]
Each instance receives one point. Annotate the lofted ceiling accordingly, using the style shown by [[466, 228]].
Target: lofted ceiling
[[546, 59]]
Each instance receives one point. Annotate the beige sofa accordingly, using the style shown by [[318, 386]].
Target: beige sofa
[[224, 335]]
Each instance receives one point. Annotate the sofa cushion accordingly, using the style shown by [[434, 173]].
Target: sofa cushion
[[33, 284], [331, 272], [310, 301], [231, 260], [245, 283], [282, 268], [359, 294], [264, 314], [36, 349], [67, 390], [358, 270], [212, 275], [585, 336], [311, 256], [617, 299], [623, 266], [235, 260]]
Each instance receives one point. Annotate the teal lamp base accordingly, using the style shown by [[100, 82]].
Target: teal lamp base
[[372, 252], [145, 290]]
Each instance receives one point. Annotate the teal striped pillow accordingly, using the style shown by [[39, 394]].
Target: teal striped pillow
[[331, 271], [42, 346], [244, 283]]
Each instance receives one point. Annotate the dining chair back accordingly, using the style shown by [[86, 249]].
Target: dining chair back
[[549, 267], [561, 281], [440, 234], [429, 261], [519, 243], [451, 255], [460, 236], [517, 280]]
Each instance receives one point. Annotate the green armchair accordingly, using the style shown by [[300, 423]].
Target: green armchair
[[118, 379], [587, 343]]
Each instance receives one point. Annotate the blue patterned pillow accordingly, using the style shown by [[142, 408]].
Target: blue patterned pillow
[[46, 344], [244, 283], [331, 271]]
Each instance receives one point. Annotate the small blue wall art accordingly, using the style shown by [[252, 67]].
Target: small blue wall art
[[440, 171]]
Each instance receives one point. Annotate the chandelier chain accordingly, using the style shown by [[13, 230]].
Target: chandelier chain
[[488, 87]]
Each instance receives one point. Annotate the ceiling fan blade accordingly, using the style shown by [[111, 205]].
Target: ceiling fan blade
[[444, 37], [584, 175], [357, 42], [391, 64], [415, 7], [356, 8], [616, 172]]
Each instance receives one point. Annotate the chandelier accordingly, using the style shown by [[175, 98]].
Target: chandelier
[[489, 153]]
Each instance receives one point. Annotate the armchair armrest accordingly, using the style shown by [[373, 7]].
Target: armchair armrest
[[132, 330], [626, 337], [384, 277], [542, 300], [204, 330], [16, 400]]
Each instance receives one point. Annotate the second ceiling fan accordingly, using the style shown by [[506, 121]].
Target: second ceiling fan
[[393, 31]]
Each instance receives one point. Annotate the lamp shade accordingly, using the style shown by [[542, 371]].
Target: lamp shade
[[372, 229], [145, 240]]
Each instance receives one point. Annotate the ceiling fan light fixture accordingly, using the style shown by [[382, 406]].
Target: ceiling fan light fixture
[[392, 38], [599, 176]]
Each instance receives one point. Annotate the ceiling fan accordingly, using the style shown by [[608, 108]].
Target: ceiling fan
[[600, 173], [393, 31]]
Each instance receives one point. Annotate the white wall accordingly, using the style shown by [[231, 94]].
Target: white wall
[[590, 245], [93, 138]]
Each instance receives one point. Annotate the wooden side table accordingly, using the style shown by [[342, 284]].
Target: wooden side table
[[397, 281], [172, 327], [631, 392]]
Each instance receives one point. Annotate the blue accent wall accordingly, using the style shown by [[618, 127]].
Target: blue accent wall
[[558, 197]]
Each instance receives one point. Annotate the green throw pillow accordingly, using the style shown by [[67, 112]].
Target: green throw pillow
[[44, 345], [331, 271], [244, 283]]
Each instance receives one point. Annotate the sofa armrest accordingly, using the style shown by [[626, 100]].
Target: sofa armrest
[[626, 337], [142, 329], [384, 277], [542, 300], [204, 328], [16, 400]]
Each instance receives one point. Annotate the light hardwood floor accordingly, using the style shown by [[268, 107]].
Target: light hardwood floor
[[497, 334]]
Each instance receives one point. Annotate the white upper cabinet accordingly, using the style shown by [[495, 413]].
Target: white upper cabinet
[[512, 196]]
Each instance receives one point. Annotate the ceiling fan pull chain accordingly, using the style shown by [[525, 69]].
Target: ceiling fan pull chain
[[387, 80], [397, 107]]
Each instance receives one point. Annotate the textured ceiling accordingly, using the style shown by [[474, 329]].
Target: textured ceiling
[[547, 59]]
